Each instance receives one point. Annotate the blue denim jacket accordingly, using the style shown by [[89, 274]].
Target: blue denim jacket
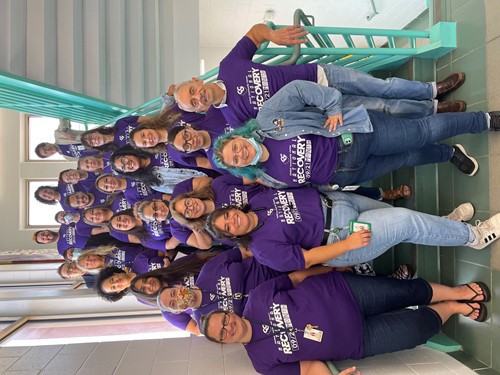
[[302, 107]]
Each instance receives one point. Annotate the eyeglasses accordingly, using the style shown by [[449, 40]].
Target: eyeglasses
[[223, 331], [124, 161], [186, 136], [188, 212]]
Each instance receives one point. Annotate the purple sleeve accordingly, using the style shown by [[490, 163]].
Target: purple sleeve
[[126, 120], [245, 49], [179, 231], [153, 244], [118, 235], [292, 368], [280, 283], [180, 321], [146, 261]]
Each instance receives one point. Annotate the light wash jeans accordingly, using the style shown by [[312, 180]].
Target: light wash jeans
[[390, 226], [172, 176], [392, 95]]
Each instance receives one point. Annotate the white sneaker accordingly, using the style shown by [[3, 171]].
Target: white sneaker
[[486, 232], [464, 212]]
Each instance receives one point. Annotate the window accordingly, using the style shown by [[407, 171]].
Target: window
[[41, 129], [40, 214]]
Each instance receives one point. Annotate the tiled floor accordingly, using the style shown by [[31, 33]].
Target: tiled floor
[[438, 189]]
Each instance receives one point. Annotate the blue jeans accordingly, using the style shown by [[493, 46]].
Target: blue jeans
[[411, 98], [401, 142], [387, 325], [390, 226]]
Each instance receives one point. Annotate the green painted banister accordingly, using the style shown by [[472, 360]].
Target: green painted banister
[[363, 49]]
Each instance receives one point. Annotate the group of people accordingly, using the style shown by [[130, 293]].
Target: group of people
[[255, 179]]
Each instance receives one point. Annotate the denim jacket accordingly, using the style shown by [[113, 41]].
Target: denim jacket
[[302, 107]]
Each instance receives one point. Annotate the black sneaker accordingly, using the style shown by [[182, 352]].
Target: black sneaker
[[465, 163], [494, 121]]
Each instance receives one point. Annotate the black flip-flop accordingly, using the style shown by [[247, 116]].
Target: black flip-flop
[[485, 292], [483, 311]]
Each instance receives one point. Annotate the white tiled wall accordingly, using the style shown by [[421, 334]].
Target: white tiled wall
[[192, 356]]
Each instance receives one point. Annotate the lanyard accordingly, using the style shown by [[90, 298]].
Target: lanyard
[[273, 331]]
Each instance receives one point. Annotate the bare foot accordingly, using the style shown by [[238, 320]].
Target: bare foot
[[471, 292]]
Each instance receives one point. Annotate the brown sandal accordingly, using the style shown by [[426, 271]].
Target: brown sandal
[[401, 192]]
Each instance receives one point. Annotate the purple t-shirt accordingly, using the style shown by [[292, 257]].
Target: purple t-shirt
[[76, 150], [249, 84], [226, 280], [147, 260], [68, 237], [84, 229], [301, 160], [65, 190], [136, 191], [123, 127], [124, 255], [120, 203], [292, 220], [228, 189], [88, 183], [279, 313], [100, 198]]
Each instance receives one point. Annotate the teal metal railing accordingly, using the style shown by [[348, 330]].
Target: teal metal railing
[[25, 95], [363, 49]]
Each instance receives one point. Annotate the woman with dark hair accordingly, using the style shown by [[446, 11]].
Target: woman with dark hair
[[296, 228], [292, 323], [153, 234], [157, 170], [134, 191], [110, 138], [193, 200], [183, 271], [112, 282], [289, 146], [98, 163]]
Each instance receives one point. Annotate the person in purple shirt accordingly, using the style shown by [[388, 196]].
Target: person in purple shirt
[[384, 144], [98, 163], [154, 234], [243, 85], [110, 138], [183, 271], [293, 229], [291, 324], [134, 191], [82, 228], [223, 283], [68, 237], [191, 205], [157, 170], [81, 200], [123, 256], [52, 195], [81, 180]]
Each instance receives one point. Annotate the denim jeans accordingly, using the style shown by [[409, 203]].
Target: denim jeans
[[409, 97], [387, 325], [172, 176], [390, 226], [401, 142]]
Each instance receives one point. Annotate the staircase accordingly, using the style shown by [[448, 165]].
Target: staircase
[[121, 52]]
